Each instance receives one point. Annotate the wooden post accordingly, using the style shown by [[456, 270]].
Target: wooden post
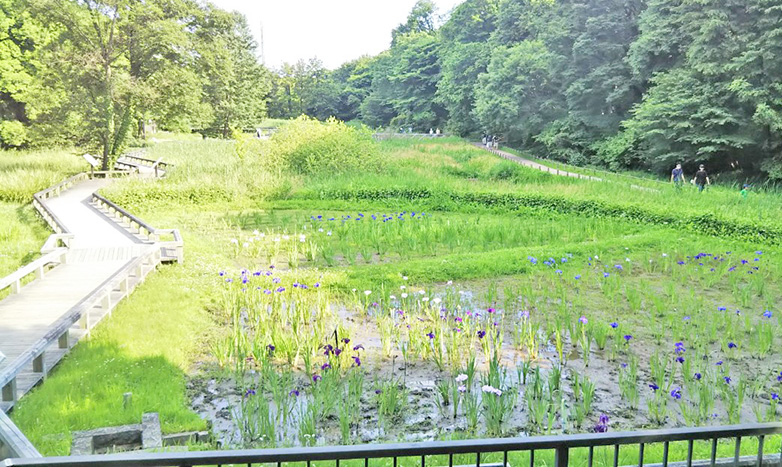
[[62, 341], [39, 366], [9, 391], [105, 302], [84, 321]]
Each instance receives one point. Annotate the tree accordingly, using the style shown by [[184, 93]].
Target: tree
[[304, 88], [464, 56], [95, 62], [511, 96], [693, 110], [161, 55], [414, 75], [354, 82], [377, 108], [420, 20], [236, 85], [22, 41]]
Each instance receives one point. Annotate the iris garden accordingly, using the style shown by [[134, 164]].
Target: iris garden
[[444, 294]]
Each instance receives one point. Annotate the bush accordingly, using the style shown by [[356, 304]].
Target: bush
[[13, 134], [307, 146]]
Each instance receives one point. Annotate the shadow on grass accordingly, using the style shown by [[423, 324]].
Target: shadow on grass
[[87, 391]]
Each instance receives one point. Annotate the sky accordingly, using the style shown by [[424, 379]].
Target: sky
[[335, 31]]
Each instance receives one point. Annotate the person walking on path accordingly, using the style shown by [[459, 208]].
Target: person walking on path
[[701, 178], [677, 176]]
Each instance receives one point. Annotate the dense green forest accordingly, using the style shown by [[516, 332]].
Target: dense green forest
[[92, 73], [618, 83]]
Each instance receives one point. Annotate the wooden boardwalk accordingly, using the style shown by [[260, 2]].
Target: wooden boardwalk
[[103, 263]]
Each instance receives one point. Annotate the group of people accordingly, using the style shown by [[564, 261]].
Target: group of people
[[491, 141], [701, 179]]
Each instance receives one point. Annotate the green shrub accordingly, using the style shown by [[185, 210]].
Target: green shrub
[[13, 134], [307, 146]]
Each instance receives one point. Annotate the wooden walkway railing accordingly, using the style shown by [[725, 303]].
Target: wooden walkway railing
[[37, 267], [134, 161], [28, 367], [173, 250], [87, 313]]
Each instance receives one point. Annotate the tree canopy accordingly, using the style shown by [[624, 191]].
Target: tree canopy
[[619, 83]]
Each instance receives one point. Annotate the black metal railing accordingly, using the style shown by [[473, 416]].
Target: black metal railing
[[559, 451]]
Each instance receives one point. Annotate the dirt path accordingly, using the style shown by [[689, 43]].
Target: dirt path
[[535, 165], [553, 171]]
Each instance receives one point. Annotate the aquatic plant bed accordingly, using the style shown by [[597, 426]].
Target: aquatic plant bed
[[613, 332], [246, 357]]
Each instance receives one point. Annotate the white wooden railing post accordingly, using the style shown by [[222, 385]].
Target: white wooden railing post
[[39, 364], [9, 391], [63, 340], [105, 302], [84, 321]]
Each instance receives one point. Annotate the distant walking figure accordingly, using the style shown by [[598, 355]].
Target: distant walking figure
[[701, 178], [744, 191], [677, 176]]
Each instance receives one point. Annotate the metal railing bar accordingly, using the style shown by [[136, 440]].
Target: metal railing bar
[[666, 446], [477, 459], [591, 456], [641, 455], [690, 445], [737, 452], [331, 453], [450, 460], [616, 455], [532, 458], [713, 452], [761, 439], [505, 459]]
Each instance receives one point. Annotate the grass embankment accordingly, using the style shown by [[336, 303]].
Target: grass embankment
[[429, 174]]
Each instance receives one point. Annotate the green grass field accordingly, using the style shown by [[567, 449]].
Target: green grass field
[[427, 246]]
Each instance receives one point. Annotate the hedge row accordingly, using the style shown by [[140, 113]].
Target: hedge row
[[706, 224]]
